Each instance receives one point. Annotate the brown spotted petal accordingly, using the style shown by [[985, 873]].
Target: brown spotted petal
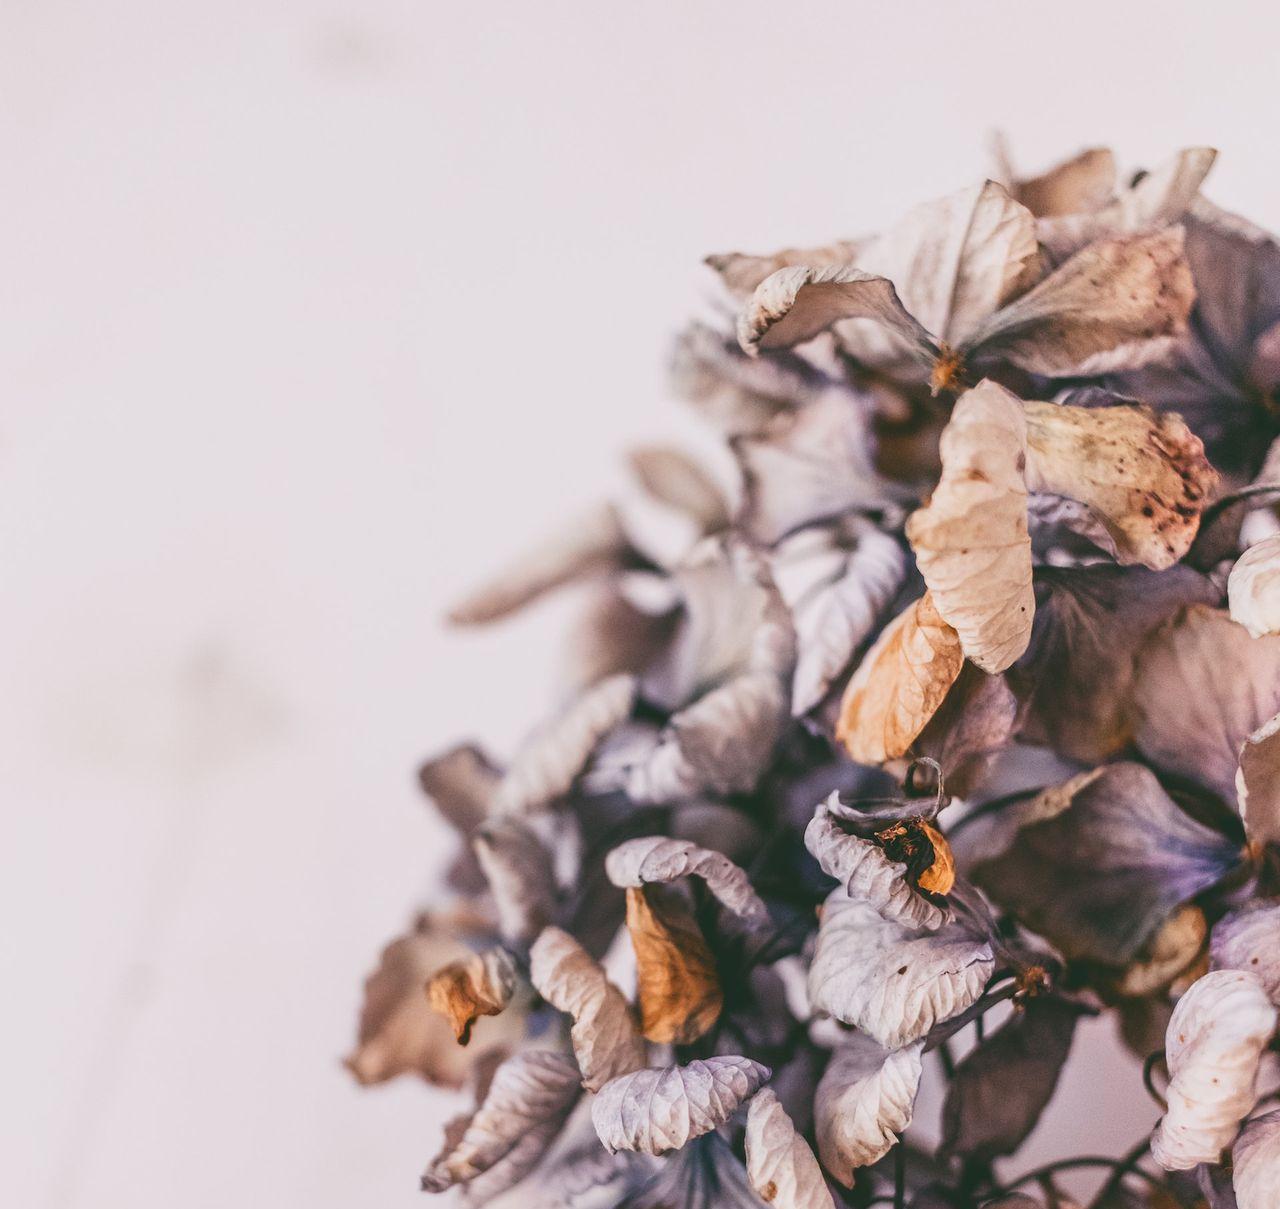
[[893, 982], [606, 1041], [1249, 939], [1255, 1162], [657, 859], [864, 1101], [781, 1167], [654, 1111], [1215, 1040], [971, 541], [868, 873], [899, 685], [1114, 305], [1143, 476], [527, 1101], [479, 985], [1098, 863], [549, 763], [1203, 686]]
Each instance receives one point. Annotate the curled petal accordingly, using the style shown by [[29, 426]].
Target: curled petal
[[521, 1112], [780, 1165], [1249, 939], [549, 763], [479, 985], [798, 303], [518, 867], [1253, 588], [864, 1100], [890, 981], [656, 858], [868, 874], [1215, 1040], [654, 1111], [971, 541]]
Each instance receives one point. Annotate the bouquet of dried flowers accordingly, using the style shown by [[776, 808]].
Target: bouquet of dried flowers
[[963, 699]]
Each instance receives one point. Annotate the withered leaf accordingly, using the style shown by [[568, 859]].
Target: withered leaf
[[605, 1039], [865, 1099], [526, 1103], [1143, 476], [1001, 1087], [891, 981], [677, 985], [899, 685], [971, 541], [657, 859], [479, 985], [1078, 185], [780, 1165], [654, 1111], [742, 273], [1216, 1037], [1098, 863], [675, 479]]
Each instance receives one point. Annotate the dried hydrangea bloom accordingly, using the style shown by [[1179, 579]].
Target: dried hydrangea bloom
[[964, 695]]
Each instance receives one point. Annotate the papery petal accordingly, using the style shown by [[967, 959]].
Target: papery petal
[[654, 1111], [891, 981], [1215, 1040], [657, 859], [1255, 1161], [780, 1165], [865, 1099], [1249, 939], [971, 541], [1253, 588], [518, 867], [470, 987]]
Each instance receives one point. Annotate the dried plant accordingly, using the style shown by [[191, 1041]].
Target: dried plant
[[963, 699]]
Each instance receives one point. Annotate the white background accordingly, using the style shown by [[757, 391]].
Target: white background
[[311, 312]]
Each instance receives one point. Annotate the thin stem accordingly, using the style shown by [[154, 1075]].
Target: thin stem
[[1092, 1160], [1147, 1067], [1128, 1165]]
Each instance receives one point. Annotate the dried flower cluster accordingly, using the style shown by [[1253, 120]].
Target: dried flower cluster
[[965, 696]]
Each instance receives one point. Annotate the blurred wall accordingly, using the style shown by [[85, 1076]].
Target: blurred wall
[[309, 313]]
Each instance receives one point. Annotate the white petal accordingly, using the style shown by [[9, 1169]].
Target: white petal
[[1255, 1162], [893, 982], [655, 858], [549, 763], [1253, 588], [1213, 1045], [780, 1165], [867, 874], [864, 1101], [525, 1105], [1249, 939], [653, 1111], [606, 1039]]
